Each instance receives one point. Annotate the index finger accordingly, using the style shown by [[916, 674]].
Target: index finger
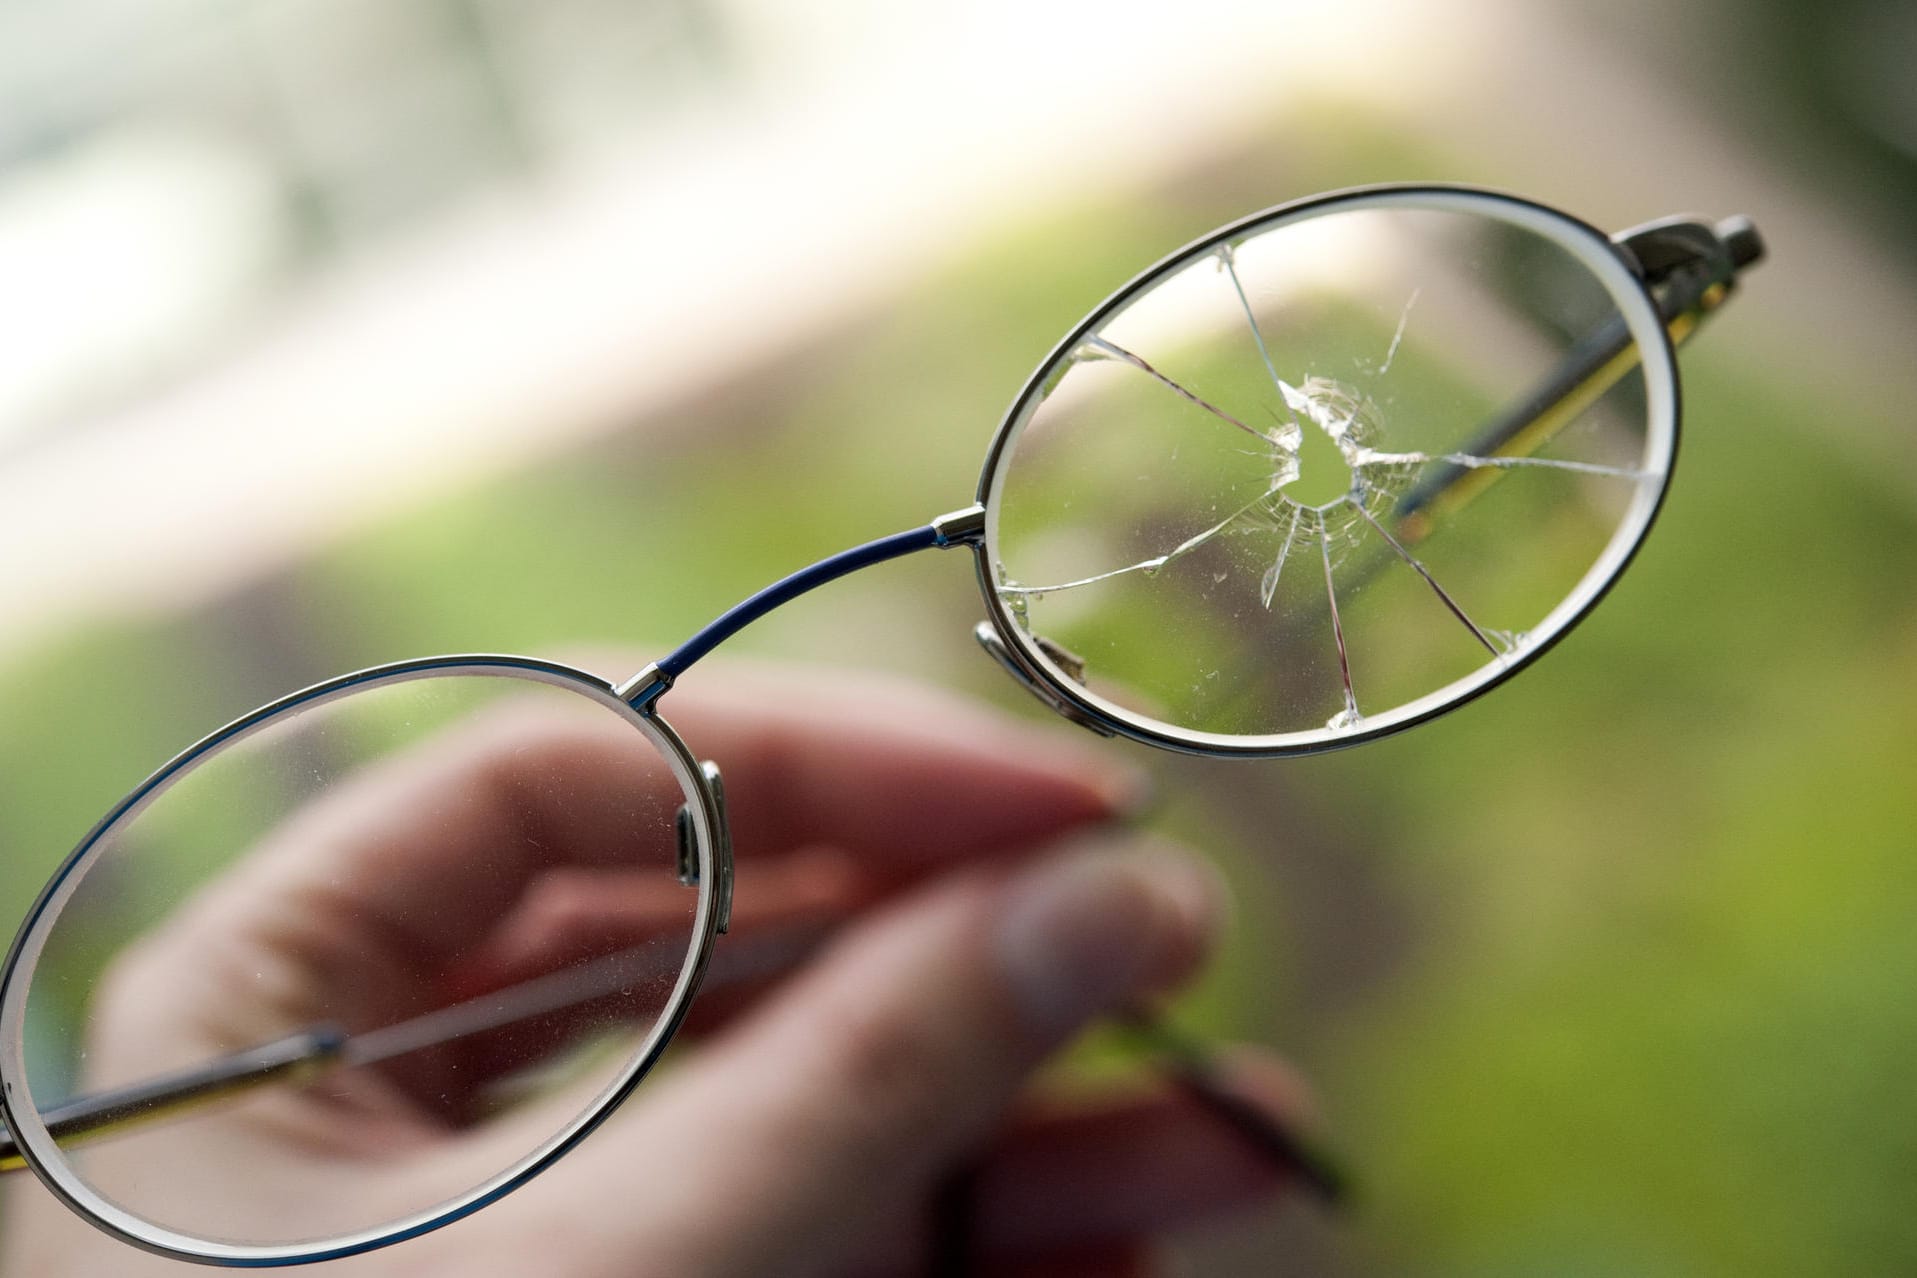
[[435, 847], [900, 775]]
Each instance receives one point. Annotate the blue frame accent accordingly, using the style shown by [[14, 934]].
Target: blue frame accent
[[784, 591]]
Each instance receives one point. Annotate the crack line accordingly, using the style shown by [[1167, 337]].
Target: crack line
[[1350, 714], [1269, 586], [1156, 561], [1471, 461], [1119, 352], [1398, 336], [1432, 582], [1229, 261]]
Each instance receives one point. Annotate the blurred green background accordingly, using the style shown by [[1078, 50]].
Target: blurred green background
[[334, 334]]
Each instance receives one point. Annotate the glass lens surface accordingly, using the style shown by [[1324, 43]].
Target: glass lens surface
[[1332, 473], [451, 900]]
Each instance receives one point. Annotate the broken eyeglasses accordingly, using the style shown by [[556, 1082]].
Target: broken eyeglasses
[[1324, 474]]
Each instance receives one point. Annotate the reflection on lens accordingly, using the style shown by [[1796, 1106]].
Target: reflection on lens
[[1332, 472], [446, 910]]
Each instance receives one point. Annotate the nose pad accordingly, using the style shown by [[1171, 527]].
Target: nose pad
[[989, 639]]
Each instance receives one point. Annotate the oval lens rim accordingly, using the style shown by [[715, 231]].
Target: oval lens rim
[[43, 1156], [1591, 246]]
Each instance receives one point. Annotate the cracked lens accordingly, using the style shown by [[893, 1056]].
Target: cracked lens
[[1329, 472]]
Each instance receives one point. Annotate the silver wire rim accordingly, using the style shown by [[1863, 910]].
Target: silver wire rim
[[43, 1156], [1590, 246]]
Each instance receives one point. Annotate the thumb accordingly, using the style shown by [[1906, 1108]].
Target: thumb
[[813, 1131]]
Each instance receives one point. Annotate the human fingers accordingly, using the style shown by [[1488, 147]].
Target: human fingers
[[1075, 1173], [1072, 1174], [819, 1122], [432, 848], [571, 914], [573, 920], [408, 868], [872, 780], [902, 776]]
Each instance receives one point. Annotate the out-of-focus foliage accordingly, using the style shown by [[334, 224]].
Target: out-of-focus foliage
[[1828, 87]]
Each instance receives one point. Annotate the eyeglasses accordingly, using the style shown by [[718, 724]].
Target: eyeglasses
[[1326, 473]]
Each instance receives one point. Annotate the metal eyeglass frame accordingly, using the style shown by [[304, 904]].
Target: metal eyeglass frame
[[1666, 276]]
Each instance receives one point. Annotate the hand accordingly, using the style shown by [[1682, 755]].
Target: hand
[[811, 1131]]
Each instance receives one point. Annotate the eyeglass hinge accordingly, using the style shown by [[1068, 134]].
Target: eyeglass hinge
[[1718, 250], [644, 688], [960, 527]]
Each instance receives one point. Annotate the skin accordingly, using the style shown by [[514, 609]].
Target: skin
[[990, 907]]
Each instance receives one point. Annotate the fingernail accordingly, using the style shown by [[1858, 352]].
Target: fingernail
[[1081, 934]]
